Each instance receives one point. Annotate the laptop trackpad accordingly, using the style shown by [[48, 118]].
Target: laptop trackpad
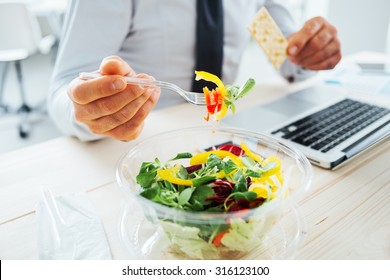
[[298, 102], [289, 106], [265, 117], [258, 119]]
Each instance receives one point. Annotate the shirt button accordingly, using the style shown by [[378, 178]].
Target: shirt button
[[290, 79]]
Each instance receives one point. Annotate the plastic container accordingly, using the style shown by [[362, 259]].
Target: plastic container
[[271, 231]]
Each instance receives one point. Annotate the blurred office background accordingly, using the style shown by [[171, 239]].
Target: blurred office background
[[362, 25]]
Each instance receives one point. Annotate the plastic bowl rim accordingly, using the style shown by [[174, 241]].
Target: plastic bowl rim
[[200, 216]]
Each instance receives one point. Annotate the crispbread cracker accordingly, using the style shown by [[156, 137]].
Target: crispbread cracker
[[268, 35]]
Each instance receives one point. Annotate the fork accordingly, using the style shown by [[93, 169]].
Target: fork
[[191, 97]]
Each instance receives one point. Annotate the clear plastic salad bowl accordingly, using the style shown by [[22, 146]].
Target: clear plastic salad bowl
[[154, 231]]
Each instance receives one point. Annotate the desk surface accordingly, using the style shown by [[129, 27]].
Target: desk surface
[[347, 211]]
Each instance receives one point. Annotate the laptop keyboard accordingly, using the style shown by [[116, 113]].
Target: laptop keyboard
[[324, 130]]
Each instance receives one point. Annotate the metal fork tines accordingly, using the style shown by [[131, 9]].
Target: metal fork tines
[[191, 97]]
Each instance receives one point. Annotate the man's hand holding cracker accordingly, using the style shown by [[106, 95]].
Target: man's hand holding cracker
[[316, 46]]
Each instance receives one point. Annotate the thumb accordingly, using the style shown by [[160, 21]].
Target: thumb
[[114, 65]]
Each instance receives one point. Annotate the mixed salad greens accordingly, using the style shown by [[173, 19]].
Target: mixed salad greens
[[229, 178], [222, 98]]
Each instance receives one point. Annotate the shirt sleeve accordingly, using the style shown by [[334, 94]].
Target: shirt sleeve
[[92, 30], [290, 71]]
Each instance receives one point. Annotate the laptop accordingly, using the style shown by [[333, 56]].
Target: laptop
[[327, 125]]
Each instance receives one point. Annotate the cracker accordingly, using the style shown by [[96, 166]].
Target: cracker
[[268, 35]]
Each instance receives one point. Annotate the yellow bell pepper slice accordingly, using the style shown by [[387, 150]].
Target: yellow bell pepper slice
[[274, 170], [249, 153], [280, 177], [263, 180], [221, 174], [202, 157], [260, 189], [222, 113], [170, 176], [202, 75]]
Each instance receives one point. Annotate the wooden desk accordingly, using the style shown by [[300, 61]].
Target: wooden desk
[[347, 211]]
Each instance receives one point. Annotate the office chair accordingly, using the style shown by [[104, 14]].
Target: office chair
[[20, 38]]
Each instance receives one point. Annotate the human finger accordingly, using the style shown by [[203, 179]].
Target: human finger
[[109, 105], [85, 91], [298, 40], [317, 43], [103, 106], [120, 117], [326, 52], [327, 64], [115, 65], [132, 128]]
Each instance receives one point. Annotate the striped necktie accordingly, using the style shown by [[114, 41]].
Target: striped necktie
[[209, 40]]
